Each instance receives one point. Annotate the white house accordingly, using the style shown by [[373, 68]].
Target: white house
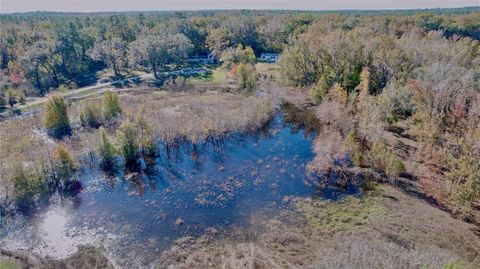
[[204, 59], [269, 57]]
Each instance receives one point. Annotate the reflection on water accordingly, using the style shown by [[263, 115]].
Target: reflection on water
[[185, 191]]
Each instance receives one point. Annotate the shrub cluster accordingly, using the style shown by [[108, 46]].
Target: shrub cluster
[[57, 121], [134, 138], [31, 181]]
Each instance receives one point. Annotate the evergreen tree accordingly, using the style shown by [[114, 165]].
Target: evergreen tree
[[147, 140], [56, 117], [320, 89], [127, 137], [63, 164], [28, 183], [90, 115], [107, 151], [111, 106]]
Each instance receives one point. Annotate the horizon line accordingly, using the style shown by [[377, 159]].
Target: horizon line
[[117, 6], [238, 9]]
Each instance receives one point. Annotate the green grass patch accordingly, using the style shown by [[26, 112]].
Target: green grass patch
[[8, 264], [349, 214], [216, 76]]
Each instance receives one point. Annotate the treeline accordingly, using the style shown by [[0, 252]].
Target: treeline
[[44, 51], [380, 75]]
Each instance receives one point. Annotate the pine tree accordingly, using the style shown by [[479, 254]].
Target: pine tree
[[111, 106], [107, 151], [63, 163], [320, 89], [127, 137], [147, 140], [90, 115], [56, 117]]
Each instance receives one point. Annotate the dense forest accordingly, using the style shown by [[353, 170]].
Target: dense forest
[[395, 99], [392, 72], [45, 51]]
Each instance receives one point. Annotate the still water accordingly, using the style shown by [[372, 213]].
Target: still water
[[186, 192]]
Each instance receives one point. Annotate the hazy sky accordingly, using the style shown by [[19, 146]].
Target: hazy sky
[[7, 6]]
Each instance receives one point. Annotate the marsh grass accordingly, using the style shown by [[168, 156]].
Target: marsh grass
[[166, 117], [347, 215], [200, 116]]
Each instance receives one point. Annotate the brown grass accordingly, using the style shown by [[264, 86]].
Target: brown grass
[[198, 116], [192, 116], [386, 230]]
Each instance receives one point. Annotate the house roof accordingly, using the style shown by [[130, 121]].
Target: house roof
[[270, 54]]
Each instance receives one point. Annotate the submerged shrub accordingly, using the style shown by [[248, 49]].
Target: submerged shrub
[[111, 106], [91, 115], [107, 151], [64, 166], [29, 183], [127, 137], [148, 146], [56, 117]]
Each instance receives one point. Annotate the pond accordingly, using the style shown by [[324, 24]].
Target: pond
[[190, 190]]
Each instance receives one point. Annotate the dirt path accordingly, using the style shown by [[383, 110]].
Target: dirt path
[[85, 90]]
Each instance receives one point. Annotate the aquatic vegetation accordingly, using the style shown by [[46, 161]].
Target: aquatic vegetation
[[350, 213], [29, 183], [107, 151], [64, 167], [128, 142]]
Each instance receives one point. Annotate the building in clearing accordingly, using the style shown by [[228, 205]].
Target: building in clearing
[[202, 59], [269, 57]]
